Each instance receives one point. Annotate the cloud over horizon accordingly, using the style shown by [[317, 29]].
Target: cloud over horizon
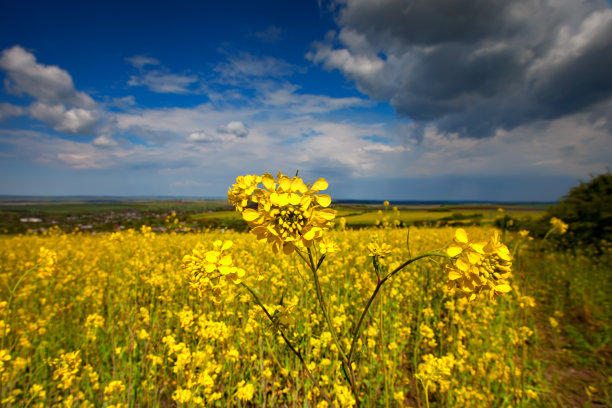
[[403, 100], [473, 67]]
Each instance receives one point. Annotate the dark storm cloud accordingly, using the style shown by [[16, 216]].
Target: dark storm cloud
[[475, 66]]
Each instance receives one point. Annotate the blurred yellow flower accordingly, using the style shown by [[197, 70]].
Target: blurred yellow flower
[[245, 391], [558, 226], [379, 250], [210, 271]]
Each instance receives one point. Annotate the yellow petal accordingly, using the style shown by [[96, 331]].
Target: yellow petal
[[294, 199], [319, 185], [269, 182], [327, 214], [454, 275], [283, 199], [250, 215], [311, 233], [461, 236], [462, 266], [226, 260], [298, 185], [285, 183], [473, 257], [227, 245], [212, 256], [453, 251], [503, 288], [478, 247], [324, 200], [226, 270]]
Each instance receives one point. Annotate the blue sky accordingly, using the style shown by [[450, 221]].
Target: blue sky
[[394, 99]]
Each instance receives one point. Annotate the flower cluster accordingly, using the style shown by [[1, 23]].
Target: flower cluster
[[479, 266], [379, 250], [241, 192], [289, 214], [210, 271], [558, 226], [435, 370]]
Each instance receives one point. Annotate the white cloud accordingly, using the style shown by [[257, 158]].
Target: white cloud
[[57, 102], [200, 137], [105, 141], [74, 120], [236, 128], [46, 83], [141, 61], [7, 110], [159, 79], [163, 82]]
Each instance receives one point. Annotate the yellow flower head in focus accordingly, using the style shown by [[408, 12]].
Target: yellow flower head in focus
[[479, 266], [558, 226], [210, 271], [289, 214]]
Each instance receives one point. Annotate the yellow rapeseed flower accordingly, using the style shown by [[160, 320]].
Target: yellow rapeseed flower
[[242, 191], [289, 214], [245, 391], [210, 271], [379, 250], [479, 266], [558, 226]]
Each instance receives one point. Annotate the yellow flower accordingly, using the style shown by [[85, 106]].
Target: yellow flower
[[210, 271], [479, 266], [289, 214], [558, 226], [435, 370], [241, 192], [380, 250], [328, 247], [245, 391]]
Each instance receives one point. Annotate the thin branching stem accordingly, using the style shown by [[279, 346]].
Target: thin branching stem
[[288, 343], [376, 290]]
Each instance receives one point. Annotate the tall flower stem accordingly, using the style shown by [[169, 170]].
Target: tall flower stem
[[348, 368], [376, 290], [288, 343]]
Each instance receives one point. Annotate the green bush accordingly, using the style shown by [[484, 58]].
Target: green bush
[[587, 209]]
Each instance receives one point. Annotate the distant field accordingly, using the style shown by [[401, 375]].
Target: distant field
[[477, 213], [102, 215], [360, 215]]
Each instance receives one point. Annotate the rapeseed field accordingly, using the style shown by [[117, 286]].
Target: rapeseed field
[[298, 313]]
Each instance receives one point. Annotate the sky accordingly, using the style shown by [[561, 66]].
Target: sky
[[441, 100]]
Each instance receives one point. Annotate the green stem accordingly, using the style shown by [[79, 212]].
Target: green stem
[[373, 296], [288, 343], [324, 306], [345, 361], [10, 301]]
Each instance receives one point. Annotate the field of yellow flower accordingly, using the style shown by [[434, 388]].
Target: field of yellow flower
[[113, 320]]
